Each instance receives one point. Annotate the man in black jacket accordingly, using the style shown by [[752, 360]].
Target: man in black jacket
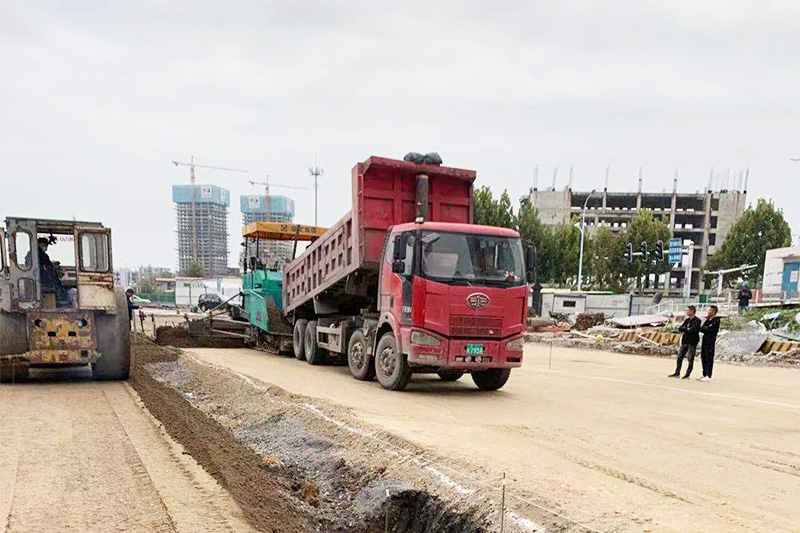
[[691, 336], [709, 329]]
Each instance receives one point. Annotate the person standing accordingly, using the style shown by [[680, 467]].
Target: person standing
[[709, 329], [744, 297], [691, 336], [131, 307]]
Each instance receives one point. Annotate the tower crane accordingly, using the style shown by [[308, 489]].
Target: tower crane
[[191, 164], [267, 185]]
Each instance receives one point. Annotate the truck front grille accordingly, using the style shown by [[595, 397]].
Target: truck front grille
[[475, 326]]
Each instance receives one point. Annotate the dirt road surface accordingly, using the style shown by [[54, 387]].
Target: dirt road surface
[[79, 455], [607, 437]]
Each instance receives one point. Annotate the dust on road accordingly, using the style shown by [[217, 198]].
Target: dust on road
[[81, 455], [607, 438]]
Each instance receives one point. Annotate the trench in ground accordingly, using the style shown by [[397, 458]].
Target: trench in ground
[[287, 468]]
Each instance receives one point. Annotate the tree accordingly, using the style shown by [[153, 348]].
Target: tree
[[757, 231], [147, 286], [606, 260], [560, 254], [533, 232], [644, 227], [193, 269], [491, 212]]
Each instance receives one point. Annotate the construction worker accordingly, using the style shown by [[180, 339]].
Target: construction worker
[[691, 337], [709, 329], [744, 297], [131, 306]]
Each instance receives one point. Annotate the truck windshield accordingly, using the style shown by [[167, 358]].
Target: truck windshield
[[472, 259]]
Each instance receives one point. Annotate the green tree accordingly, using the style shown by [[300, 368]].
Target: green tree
[[757, 231], [533, 231], [147, 286], [606, 260], [560, 255], [491, 212], [645, 227], [193, 269]]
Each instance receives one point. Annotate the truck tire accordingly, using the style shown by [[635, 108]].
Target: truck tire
[[298, 337], [113, 335], [391, 365], [491, 379], [360, 361], [450, 375], [314, 354]]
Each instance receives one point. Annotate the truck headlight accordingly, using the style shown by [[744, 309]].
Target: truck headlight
[[516, 345], [420, 338]]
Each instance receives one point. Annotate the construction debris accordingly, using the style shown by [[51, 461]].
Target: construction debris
[[586, 321]]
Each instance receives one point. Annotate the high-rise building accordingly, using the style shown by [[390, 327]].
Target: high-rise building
[[281, 210], [704, 217], [202, 229]]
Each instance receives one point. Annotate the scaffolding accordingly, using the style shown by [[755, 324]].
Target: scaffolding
[[211, 226], [271, 253]]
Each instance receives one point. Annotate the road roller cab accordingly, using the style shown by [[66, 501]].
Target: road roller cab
[[58, 301]]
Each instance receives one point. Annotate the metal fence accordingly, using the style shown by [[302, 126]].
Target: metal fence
[[159, 299]]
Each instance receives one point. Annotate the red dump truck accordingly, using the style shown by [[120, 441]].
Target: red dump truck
[[405, 284]]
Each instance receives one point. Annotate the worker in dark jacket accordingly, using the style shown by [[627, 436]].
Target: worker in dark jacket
[[131, 306], [709, 329], [691, 337], [744, 296]]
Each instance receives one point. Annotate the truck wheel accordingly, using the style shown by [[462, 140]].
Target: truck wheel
[[314, 354], [391, 365], [298, 336], [491, 379], [113, 334], [450, 375], [361, 363]]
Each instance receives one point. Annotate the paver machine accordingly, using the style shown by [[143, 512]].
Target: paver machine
[[58, 302], [262, 286]]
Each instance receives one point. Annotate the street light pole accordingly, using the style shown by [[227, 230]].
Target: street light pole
[[583, 230]]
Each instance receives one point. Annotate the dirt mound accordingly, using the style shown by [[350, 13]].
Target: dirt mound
[[288, 463], [178, 336]]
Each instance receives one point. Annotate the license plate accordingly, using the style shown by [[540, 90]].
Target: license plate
[[474, 349]]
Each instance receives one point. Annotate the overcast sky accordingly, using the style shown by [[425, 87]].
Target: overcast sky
[[97, 97]]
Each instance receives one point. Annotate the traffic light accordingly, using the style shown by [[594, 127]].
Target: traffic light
[[629, 252], [659, 253], [645, 253]]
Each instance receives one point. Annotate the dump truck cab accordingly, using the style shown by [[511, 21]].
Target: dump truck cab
[[58, 300], [454, 296]]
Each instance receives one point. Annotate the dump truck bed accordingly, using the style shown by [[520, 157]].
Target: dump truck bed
[[344, 261]]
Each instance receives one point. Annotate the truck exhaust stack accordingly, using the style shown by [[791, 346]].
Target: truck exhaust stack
[[422, 198]]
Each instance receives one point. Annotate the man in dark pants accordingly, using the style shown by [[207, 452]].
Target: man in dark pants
[[131, 307], [709, 329], [744, 297], [691, 336]]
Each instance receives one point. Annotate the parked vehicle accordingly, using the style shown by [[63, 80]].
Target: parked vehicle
[[404, 283], [207, 302], [54, 314]]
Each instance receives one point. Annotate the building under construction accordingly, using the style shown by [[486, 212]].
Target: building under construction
[[281, 209], [703, 217], [202, 227]]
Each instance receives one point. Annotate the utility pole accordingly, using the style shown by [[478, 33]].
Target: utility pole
[[193, 192], [316, 171], [583, 229]]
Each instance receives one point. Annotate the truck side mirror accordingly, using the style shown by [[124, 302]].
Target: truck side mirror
[[399, 266], [530, 264], [399, 250]]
